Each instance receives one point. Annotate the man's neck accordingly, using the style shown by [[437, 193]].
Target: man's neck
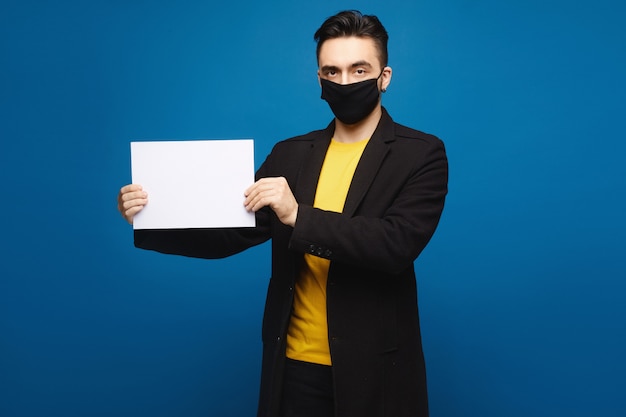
[[358, 131]]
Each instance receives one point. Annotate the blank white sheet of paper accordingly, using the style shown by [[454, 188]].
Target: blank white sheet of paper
[[193, 184]]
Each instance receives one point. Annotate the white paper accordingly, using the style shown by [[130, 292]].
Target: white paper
[[193, 184]]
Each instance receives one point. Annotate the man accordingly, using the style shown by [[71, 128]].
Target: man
[[348, 208]]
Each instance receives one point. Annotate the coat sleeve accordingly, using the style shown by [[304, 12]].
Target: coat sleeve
[[390, 242], [208, 243], [203, 243]]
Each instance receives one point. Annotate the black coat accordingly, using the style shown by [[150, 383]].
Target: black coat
[[393, 206]]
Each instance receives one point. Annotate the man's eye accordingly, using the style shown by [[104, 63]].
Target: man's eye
[[360, 71]]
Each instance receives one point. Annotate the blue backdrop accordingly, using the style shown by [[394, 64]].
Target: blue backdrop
[[522, 289]]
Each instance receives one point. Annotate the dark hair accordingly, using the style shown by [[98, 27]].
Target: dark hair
[[353, 23]]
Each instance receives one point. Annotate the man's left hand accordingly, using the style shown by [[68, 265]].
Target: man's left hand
[[275, 193]]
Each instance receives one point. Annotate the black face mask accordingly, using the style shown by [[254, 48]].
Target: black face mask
[[351, 103]]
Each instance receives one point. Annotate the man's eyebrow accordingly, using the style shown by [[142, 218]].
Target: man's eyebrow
[[357, 64], [327, 68]]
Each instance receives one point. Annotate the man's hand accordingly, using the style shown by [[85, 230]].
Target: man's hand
[[131, 200], [275, 193]]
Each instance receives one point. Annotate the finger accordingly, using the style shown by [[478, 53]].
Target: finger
[[134, 195], [132, 211], [265, 192], [253, 192], [264, 183], [250, 189], [129, 214], [251, 201], [259, 185], [259, 199], [134, 203], [130, 188]]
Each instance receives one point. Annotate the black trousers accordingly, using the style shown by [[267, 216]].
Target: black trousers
[[307, 390]]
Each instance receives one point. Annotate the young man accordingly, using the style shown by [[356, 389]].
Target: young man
[[348, 208]]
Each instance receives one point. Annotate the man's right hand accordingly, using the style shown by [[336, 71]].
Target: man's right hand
[[131, 200]]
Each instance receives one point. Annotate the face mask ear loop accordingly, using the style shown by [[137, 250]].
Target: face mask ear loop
[[382, 90]]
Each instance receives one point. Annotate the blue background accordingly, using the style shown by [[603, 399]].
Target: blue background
[[522, 289]]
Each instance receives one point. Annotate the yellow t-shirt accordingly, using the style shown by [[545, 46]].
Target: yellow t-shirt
[[307, 337]]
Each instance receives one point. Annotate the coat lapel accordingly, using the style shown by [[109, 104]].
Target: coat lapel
[[371, 160], [309, 172], [373, 156]]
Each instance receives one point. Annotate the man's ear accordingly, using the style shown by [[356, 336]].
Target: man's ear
[[318, 78], [386, 78]]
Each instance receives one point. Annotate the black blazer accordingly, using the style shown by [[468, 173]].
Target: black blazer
[[392, 209]]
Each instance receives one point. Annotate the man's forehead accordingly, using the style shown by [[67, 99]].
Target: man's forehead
[[348, 51]]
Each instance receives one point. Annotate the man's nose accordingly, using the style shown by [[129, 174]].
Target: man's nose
[[345, 78]]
